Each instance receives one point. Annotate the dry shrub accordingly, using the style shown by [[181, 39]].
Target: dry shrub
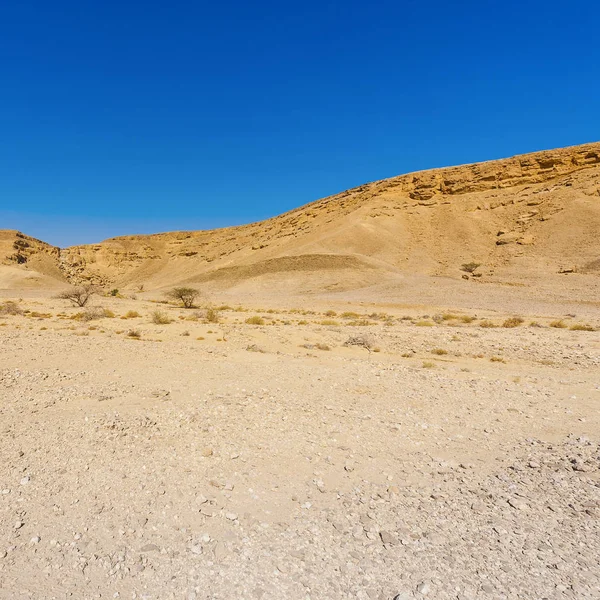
[[558, 324], [439, 351], [582, 327], [328, 322], [131, 314], [427, 364], [136, 334], [424, 324], [320, 346], [487, 324], [468, 319], [362, 341], [512, 322], [212, 315], [10, 308], [158, 317], [256, 320]]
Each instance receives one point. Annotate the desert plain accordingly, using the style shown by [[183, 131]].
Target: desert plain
[[388, 394]]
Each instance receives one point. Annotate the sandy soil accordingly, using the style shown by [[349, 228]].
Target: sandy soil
[[200, 460]]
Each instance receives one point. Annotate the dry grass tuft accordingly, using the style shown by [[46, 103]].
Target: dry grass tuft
[[256, 320], [513, 322], [158, 317]]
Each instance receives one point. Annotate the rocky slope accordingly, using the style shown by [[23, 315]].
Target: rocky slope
[[527, 217]]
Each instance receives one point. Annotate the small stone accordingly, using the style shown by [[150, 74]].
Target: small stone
[[231, 516], [389, 539], [517, 504], [196, 549], [206, 452], [25, 480], [36, 539], [19, 524], [150, 548], [423, 588]]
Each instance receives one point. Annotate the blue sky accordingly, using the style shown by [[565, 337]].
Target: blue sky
[[130, 117]]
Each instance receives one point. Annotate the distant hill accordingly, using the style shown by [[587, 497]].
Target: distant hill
[[527, 217]]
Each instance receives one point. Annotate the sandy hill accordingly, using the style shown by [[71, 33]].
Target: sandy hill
[[525, 219]]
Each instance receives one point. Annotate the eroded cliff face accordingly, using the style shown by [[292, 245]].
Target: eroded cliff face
[[426, 222]]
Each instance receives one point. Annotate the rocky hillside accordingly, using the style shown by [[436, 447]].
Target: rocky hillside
[[530, 216]]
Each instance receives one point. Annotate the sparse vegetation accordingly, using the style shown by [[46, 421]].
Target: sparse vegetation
[[427, 364], [328, 322], [424, 324], [470, 267], [212, 315], [486, 324], [10, 308], [513, 322], [158, 317], [582, 327], [134, 333], [498, 359], [439, 351], [468, 319], [321, 346], [256, 320], [331, 313], [362, 341], [132, 314], [79, 296], [558, 324], [186, 295]]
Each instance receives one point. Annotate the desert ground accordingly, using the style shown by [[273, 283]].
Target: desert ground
[[327, 448]]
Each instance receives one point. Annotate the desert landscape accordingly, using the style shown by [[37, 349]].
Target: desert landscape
[[392, 393]]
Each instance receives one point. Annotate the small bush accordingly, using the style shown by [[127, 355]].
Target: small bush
[[449, 317], [328, 322], [439, 351], [10, 308], [158, 317], [349, 315], [487, 324], [331, 313], [186, 295], [114, 293], [467, 319], [132, 314], [322, 347], [512, 322], [212, 315], [582, 327], [558, 324], [470, 267], [498, 359], [256, 320], [134, 333], [424, 324], [109, 314], [427, 364], [361, 341]]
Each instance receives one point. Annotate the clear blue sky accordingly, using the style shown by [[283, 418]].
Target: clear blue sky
[[126, 117]]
